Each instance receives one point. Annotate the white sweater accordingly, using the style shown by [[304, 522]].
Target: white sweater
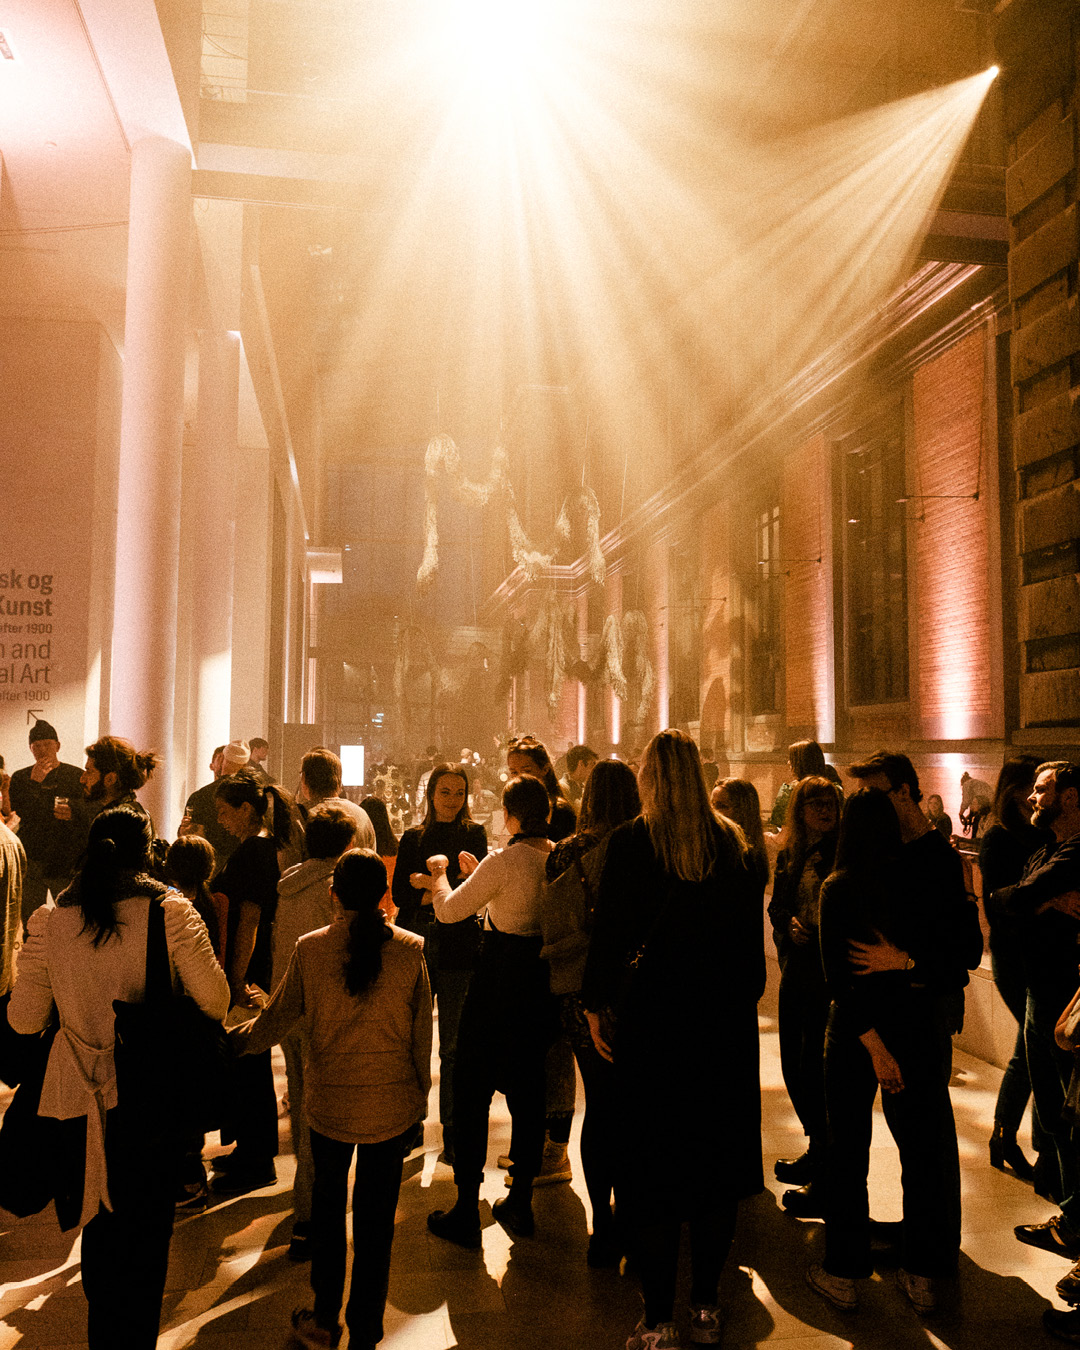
[[60, 964], [507, 887]]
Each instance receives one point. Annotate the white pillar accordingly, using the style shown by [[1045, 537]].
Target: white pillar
[[151, 441], [213, 500]]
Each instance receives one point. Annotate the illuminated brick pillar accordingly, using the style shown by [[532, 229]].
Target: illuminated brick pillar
[[151, 437]]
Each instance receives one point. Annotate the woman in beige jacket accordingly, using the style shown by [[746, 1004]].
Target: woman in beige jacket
[[79, 956], [359, 989]]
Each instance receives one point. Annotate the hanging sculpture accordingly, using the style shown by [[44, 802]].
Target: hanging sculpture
[[442, 459], [552, 642]]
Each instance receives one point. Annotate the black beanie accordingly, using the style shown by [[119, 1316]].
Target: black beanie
[[43, 731]]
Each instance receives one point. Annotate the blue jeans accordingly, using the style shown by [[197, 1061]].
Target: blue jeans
[[448, 990]]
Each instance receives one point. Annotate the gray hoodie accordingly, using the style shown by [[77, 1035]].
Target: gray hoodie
[[303, 905]]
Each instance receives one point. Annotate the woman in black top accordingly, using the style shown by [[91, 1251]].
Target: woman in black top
[[887, 1028], [812, 821], [1004, 848], [677, 955], [258, 814], [527, 757], [450, 948]]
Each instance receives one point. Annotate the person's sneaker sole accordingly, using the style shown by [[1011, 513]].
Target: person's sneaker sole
[[830, 1295], [1046, 1237], [923, 1301]]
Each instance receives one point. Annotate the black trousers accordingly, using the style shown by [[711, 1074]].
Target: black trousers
[[125, 1250], [253, 1109], [374, 1205], [803, 1012], [920, 1120], [656, 1246], [508, 1023]]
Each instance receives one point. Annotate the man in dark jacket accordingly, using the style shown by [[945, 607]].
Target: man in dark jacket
[[53, 844]]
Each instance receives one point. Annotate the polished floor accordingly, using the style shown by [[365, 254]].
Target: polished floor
[[231, 1286]]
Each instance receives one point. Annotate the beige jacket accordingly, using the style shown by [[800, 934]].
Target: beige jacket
[[367, 1060]]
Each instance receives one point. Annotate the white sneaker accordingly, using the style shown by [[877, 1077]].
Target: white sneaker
[[838, 1289], [704, 1324], [919, 1291], [664, 1336]]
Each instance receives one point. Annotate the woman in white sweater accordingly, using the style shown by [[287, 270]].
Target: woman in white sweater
[[509, 1019], [79, 956]]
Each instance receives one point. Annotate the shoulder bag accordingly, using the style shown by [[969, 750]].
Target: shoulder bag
[[172, 1060]]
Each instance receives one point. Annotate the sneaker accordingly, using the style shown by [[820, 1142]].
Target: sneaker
[[555, 1166], [1068, 1286], [664, 1336], [308, 1335], [1052, 1236], [704, 1324], [919, 1291], [1064, 1325], [837, 1289]]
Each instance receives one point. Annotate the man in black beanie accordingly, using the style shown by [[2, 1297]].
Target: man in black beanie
[[52, 846]]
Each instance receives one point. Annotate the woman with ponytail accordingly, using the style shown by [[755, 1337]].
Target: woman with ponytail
[[359, 990], [258, 814], [111, 1177], [509, 1020]]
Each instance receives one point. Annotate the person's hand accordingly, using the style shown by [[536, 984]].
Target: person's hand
[[799, 934], [887, 1070], [870, 958], [467, 863], [1068, 902], [420, 881], [437, 865], [62, 811], [5, 781], [602, 1048], [186, 826], [243, 996]]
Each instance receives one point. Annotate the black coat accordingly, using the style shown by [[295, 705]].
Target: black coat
[[686, 1047]]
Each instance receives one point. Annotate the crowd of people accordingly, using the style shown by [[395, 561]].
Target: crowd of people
[[586, 923]]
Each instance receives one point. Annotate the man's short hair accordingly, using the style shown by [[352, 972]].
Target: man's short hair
[[898, 769], [578, 754], [1066, 774], [321, 771], [257, 743], [330, 831]]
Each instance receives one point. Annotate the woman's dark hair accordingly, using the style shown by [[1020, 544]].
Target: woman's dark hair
[[119, 845], [189, 864], [610, 797], [330, 831], [359, 884], [440, 771], [1014, 782], [247, 786], [806, 758], [526, 799], [112, 754], [869, 833], [537, 752], [385, 843]]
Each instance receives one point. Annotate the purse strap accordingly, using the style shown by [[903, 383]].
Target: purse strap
[[158, 975]]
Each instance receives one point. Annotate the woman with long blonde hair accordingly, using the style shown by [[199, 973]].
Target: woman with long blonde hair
[[675, 969]]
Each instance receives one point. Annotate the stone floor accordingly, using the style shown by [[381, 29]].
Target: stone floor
[[231, 1286]]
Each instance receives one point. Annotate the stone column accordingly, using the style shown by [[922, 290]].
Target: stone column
[[151, 439]]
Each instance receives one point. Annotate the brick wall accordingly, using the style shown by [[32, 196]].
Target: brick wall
[[805, 513], [1037, 42], [948, 542]]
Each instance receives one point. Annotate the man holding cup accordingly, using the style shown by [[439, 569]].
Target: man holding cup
[[50, 833]]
